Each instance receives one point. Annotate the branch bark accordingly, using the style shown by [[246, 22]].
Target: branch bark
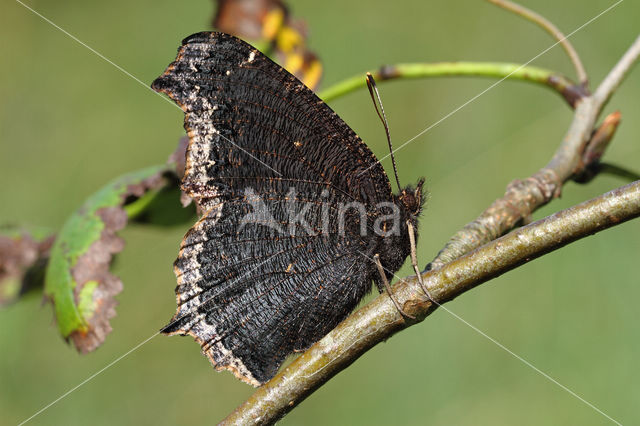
[[523, 197], [617, 74], [379, 320]]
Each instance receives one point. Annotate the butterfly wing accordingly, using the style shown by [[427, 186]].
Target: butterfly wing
[[251, 122], [267, 270], [252, 297]]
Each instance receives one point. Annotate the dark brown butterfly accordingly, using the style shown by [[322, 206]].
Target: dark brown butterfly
[[296, 209]]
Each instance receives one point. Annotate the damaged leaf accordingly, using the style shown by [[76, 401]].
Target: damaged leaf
[[77, 280], [23, 257]]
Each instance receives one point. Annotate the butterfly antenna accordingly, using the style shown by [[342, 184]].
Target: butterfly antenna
[[371, 84]]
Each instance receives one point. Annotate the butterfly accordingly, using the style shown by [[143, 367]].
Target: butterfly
[[298, 216]]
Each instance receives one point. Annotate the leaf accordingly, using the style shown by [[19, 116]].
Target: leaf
[[77, 280], [23, 257]]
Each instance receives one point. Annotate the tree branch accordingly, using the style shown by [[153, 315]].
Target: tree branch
[[379, 320], [617, 74], [549, 27], [522, 198], [570, 91]]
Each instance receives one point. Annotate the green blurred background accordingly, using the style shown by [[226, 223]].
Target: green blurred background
[[70, 122]]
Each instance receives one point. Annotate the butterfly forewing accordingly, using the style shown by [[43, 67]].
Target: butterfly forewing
[[250, 119]]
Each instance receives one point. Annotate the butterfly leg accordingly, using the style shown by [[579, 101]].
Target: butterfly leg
[[383, 277], [414, 260]]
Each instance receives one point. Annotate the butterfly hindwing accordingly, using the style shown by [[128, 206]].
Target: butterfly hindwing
[[251, 296]]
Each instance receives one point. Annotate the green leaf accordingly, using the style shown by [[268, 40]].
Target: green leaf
[[77, 279]]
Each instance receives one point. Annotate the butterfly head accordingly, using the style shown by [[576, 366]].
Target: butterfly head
[[412, 198]]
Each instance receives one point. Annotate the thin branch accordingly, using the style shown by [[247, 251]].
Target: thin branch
[[549, 27], [617, 74], [523, 197], [570, 91], [379, 320]]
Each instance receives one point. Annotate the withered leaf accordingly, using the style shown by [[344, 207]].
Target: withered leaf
[[22, 260]]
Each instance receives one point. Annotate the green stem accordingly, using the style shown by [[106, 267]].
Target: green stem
[[570, 91], [137, 207]]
